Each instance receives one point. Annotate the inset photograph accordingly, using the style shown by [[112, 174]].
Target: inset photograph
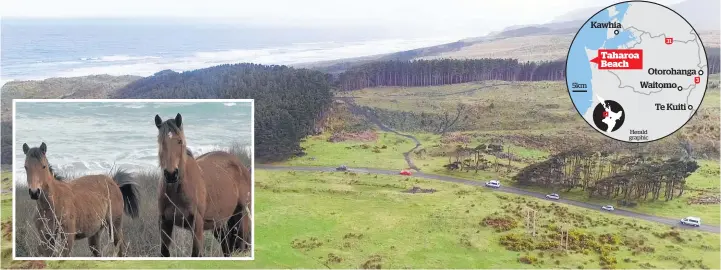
[[133, 179]]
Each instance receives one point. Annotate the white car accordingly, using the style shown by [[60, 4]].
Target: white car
[[493, 184], [553, 196], [691, 221], [607, 207]]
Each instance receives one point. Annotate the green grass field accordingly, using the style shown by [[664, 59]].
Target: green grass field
[[328, 154], [6, 218], [342, 220], [320, 152], [513, 102], [372, 154]]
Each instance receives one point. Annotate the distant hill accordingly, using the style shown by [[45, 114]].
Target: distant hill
[[539, 42], [340, 65], [94, 86], [563, 27], [544, 47]]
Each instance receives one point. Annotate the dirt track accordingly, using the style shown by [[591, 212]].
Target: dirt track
[[356, 110]]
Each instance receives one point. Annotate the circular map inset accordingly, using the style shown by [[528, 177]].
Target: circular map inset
[[642, 55]]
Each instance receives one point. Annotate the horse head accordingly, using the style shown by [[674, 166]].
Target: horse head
[[171, 147], [37, 169]]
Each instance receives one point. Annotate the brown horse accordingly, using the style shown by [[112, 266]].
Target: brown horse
[[211, 192], [78, 209]]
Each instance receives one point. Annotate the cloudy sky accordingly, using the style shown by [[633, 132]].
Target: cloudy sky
[[428, 15]]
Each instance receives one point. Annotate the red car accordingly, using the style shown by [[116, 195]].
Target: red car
[[405, 172]]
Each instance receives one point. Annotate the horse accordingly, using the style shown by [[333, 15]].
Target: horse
[[78, 209], [210, 192]]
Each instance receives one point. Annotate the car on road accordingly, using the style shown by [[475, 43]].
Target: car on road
[[405, 172], [493, 184], [607, 207], [553, 196], [691, 221], [342, 168]]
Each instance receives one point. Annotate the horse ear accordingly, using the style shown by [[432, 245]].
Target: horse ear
[[158, 121], [43, 148], [26, 148], [179, 120]]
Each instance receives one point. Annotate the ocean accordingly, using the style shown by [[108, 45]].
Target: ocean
[[84, 138], [43, 48], [578, 66]]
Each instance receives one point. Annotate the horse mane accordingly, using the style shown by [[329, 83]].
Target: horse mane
[[55, 174]]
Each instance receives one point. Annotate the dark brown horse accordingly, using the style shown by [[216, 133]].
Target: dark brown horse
[[211, 192], [78, 209]]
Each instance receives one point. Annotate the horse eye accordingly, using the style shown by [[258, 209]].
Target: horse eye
[[180, 142], [44, 166]]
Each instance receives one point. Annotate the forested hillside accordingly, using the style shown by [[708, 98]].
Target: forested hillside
[[450, 71], [447, 71], [288, 101]]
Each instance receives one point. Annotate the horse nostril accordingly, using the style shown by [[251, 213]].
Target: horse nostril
[[171, 177], [34, 194]]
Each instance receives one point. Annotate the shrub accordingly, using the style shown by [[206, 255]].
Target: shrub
[[547, 245], [608, 238], [501, 196], [528, 259], [674, 234], [516, 242], [607, 260], [501, 224]]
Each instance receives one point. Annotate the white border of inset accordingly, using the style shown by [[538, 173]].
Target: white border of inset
[[252, 179]]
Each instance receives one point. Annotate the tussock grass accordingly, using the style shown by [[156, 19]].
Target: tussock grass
[[142, 235]]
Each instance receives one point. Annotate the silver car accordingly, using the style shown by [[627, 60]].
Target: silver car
[[691, 221], [493, 184]]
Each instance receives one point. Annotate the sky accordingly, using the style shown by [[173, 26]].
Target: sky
[[452, 16]]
